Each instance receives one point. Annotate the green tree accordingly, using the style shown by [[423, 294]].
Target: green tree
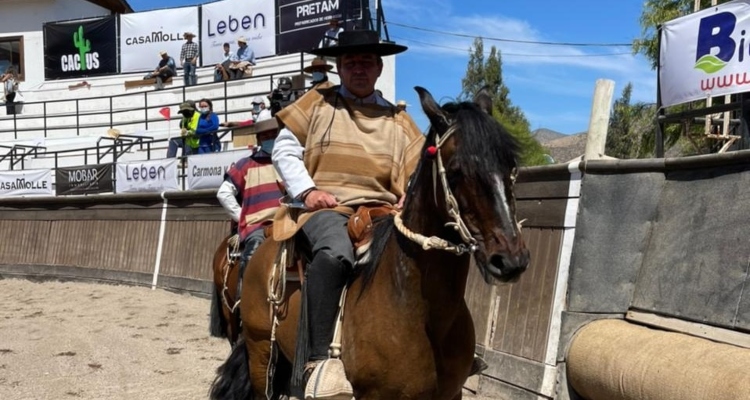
[[481, 72], [687, 136], [631, 128]]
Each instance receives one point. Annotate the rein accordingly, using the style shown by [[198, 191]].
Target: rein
[[469, 244]]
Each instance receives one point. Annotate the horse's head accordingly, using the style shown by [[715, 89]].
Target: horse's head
[[479, 160]]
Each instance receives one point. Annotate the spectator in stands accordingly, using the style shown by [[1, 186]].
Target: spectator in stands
[[319, 70], [10, 86], [243, 61], [165, 70], [283, 95], [250, 195], [401, 105], [208, 124], [331, 36], [260, 113], [189, 58], [221, 70], [188, 125]]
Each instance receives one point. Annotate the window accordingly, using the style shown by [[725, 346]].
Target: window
[[11, 53]]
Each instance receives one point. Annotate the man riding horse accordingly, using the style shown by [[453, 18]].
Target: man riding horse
[[341, 148]]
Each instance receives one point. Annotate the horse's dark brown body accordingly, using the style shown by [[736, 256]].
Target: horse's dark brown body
[[407, 332], [224, 323]]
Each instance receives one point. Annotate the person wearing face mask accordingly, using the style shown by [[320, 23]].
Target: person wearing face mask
[[283, 95], [208, 123], [319, 69], [188, 126], [260, 113], [250, 195]]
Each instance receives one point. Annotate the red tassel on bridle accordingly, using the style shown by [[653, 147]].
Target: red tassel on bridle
[[430, 152]]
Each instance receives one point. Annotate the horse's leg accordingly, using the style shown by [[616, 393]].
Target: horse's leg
[[457, 350]]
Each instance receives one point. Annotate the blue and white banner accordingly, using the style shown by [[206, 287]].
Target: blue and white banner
[[228, 20], [705, 54], [206, 171], [146, 176], [144, 34], [30, 182]]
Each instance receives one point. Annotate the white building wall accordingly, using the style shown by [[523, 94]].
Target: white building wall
[[26, 17]]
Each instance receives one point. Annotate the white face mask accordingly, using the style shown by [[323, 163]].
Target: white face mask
[[318, 76], [203, 110]]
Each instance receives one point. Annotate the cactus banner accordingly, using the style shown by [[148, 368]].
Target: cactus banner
[[75, 49]]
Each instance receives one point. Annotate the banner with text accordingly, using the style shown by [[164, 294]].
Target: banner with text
[[147, 176], [206, 171], [705, 53], [83, 48], [87, 179], [30, 182], [228, 20], [143, 35], [302, 24]]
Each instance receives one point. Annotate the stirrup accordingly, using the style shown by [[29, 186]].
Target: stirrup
[[328, 381]]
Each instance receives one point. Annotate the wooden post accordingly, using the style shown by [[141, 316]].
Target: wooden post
[[596, 140]]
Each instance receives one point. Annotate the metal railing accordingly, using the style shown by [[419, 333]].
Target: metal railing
[[49, 118]]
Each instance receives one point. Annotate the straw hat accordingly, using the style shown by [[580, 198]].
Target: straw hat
[[318, 62], [242, 39], [115, 133], [188, 34], [163, 53], [401, 103]]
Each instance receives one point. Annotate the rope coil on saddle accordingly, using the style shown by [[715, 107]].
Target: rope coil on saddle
[[233, 244]]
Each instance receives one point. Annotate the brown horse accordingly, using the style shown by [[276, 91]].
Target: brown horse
[[407, 332], [224, 321]]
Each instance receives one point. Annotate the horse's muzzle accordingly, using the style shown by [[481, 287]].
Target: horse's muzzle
[[507, 267]]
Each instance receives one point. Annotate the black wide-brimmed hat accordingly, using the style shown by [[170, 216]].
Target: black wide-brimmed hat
[[359, 41]]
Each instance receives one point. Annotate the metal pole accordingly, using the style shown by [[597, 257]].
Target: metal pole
[[145, 108], [596, 139], [745, 121], [659, 139], [78, 127]]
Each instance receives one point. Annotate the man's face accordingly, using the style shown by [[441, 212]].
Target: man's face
[[270, 135], [359, 72], [226, 49]]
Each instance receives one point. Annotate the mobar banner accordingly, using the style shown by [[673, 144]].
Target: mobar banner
[[86, 179], [144, 34], [146, 176], [29, 182], [705, 54], [228, 20], [206, 171], [80, 48], [302, 24]]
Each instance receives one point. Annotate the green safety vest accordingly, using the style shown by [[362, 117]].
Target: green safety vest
[[191, 139]]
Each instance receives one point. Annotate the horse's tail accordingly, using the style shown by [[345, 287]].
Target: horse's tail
[[233, 378], [217, 326]]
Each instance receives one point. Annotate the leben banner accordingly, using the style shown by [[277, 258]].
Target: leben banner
[[302, 24], [146, 176], [206, 171], [705, 53], [30, 182], [82, 48], [87, 179], [228, 20], [143, 35]]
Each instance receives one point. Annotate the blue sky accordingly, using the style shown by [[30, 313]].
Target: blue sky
[[553, 85]]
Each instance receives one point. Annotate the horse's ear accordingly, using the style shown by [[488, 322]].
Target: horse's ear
[[483, 99], [430, 107]]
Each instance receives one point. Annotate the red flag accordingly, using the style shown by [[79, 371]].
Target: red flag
[[165, 112]]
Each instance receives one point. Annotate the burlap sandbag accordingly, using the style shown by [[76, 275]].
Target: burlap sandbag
[[615, 359]]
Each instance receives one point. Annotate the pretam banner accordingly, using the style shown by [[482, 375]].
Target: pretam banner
[[228, 20], [206, 171], [29, 182], [705, 53], [144, 34], [302, 23], [86, 179], [81, 48], [146, 176]]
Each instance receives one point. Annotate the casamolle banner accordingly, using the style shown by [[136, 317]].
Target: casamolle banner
[[81, 48], [146, 176], [206, 171], [30, 182], [86, 179], [228, 20], [706, 53], [143, 35], [302, 24]]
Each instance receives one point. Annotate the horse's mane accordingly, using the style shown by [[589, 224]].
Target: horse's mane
[[484, 147]]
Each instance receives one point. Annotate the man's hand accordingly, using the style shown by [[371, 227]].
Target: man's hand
[[318, 199], [400, 204]]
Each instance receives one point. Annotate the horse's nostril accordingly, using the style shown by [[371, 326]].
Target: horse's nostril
[[496, 261]]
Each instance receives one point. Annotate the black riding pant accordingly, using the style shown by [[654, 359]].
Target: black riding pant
[[332, 260]]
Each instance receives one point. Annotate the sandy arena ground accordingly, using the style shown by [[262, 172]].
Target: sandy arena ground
[[85, 341]]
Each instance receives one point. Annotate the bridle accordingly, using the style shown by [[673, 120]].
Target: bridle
[[469, 244]]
